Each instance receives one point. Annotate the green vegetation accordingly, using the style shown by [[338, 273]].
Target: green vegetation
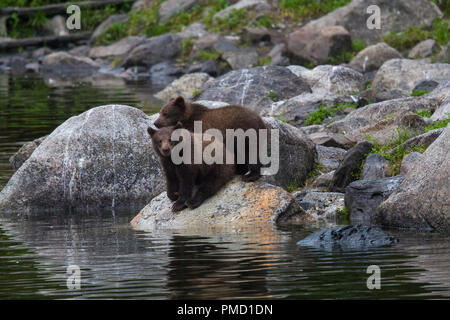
[[347, 56], [423, 113], [300, 9], [323, 112], [273, 96], [344, 213], [264, 61], [403, 41], [209, 55], [196, 93], [419, 93], [281, 119], [438, 124], [393, 152], [236, 20], [186, 47], [264, 21]]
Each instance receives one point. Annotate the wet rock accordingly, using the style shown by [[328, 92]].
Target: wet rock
[[103, 27], [373, 57], [408, 161], [330, 157], [424, 49], [164, 48], [404, 74], [254, 5], [362, 197], [62, 64], [320, 205], [25, 152], [102, 158], [318, 45], [56, 26], [395, 16], [251, 87], [347, 238], [351, 162], [116, 50], [185, 86], [421, 202], [374, 167], [237, 205]]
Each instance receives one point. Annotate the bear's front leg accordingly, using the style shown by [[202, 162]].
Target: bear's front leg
[[187, 181], [172, 181]]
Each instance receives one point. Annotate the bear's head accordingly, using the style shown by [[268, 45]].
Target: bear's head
[[161, 139], [171, 113]]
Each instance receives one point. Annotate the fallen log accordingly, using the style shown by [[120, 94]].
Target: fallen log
[[49, 40], [58, 7]]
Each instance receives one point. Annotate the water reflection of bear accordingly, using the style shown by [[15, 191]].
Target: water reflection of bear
[[201, 269]]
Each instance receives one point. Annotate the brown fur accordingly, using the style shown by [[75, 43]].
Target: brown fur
[[228, 117], [181, 179]]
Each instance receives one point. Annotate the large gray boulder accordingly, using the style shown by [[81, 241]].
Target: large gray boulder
[[255, 5], [154, 50], [102, 158], [396, 15], [297, 155], [237, 205], [404, 74], [25, 152], [422, 200], [373, 57], [253, 87], [185, 86]]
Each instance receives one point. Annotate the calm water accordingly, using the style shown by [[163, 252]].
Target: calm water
[[119, 262]]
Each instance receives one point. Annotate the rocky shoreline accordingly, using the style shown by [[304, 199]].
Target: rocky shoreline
[[366, 140]]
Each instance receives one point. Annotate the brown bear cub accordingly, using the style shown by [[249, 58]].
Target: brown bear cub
[[183, 178], [228, 117]]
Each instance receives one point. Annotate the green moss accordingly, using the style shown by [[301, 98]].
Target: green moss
[[209, 55], [393, 152], [301, 9], [323, 112], [236, 20], [419, 93], [273, 96], [264, 61], [438, 124], [264, 21], [423, 113], [403, 41], [281, 119], [196, 93], [186, 47]]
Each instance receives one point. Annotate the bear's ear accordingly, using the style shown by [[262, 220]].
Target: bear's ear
[[151, 131], [180, 102], [179, 125]]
